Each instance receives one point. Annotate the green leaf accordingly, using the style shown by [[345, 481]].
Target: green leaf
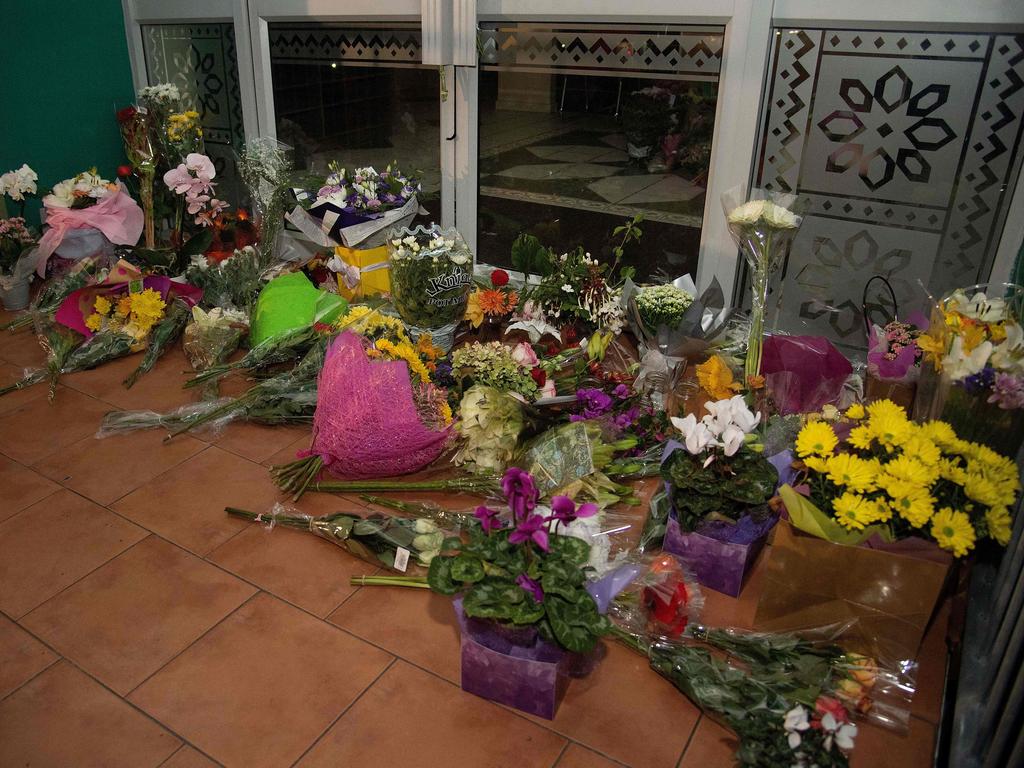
[[527, 612], [576, 626], [570, 548], [466, 568], [530, 257], [493, 599], [197, 244], [562, 577], [439, 576]]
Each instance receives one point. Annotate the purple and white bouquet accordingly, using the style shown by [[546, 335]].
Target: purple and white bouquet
[[355, 204]]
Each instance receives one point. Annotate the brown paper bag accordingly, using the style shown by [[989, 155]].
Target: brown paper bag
[[889, 592]]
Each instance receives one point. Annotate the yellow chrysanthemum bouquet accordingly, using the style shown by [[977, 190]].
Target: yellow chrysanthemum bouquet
[[900, 479]]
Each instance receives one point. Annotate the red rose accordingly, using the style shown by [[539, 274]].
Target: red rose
[[124, 171], [828, 705], [499, 277], [126, 114], [539, 376]]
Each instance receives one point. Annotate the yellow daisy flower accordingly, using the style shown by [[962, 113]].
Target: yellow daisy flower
[[817, 464], [889, 429], [922, 449], [855, 411], [852, 472], [886, 409], [999, 524], [939, 432], [816, 439], [860, 437], [94, 321], [852, 511], [950, 469], [914, 505], [953, 531], [102, 305], [124, 306], [913, 471], [981, 489]]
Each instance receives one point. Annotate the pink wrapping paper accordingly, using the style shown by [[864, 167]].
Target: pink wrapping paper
[[803, 373], [117, 216]]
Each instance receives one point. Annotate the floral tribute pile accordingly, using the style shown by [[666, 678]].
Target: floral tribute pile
[[629, 445]]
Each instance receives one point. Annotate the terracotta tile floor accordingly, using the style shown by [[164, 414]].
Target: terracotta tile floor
[[140, 626]]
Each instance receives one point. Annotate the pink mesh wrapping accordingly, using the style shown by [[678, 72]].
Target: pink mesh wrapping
[[366, 424]]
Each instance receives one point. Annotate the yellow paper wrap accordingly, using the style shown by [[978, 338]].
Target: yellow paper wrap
[[373, 275]]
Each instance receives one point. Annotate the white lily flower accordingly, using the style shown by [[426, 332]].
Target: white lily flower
[[959, 364], [1009, 354]]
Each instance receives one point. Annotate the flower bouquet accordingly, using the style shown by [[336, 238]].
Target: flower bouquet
[[355, 207], [265, 166], [233, 283], [503, 367], [431, 278], [75, 275], [719, 483], [15, 271], [763, 228], [211, 337], [894, 363], [490, 422], [524, 608], [85, 215], [875, 524], [976, 377], [137, 135], [493, 305], [379, 539]]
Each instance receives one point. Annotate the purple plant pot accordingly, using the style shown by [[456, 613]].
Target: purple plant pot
[[718, 563], [496, 666]]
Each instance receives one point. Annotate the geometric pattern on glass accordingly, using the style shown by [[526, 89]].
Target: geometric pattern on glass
[[903, 148], [393, 44], [684, 53]]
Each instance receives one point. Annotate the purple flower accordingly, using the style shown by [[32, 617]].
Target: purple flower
[[530, 529], [625, 420], [531, 586], [565, 510], [594, 403], [980, 381], [520, 492], [621, 391], [488, 519], [1008, 391]]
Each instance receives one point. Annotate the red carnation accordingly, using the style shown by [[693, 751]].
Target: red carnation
[[126, 114], [124, 171], [539, 376], [499, 277]]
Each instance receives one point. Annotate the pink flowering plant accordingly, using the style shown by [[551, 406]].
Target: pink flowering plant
[[893, 352], [516, 569], [15, 238]]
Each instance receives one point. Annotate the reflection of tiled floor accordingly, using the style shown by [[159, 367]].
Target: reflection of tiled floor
[[522, 159], [141, 627]]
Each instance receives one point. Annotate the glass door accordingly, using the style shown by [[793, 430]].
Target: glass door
[[353, 95], [582, 126]]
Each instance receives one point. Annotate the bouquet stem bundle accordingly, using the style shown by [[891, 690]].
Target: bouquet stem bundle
[[290, 394], [295, 477], [415, 582], [481, 485], [280, 349]]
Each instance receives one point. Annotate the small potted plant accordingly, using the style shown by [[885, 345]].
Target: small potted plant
[[15, 239], [523, 606], [719, 483]]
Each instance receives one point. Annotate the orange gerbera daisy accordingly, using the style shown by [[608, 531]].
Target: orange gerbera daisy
[[496, 303]]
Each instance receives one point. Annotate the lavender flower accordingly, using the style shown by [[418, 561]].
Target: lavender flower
[[1007, 391]]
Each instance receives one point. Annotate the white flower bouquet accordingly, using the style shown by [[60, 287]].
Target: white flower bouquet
[[763, 228]]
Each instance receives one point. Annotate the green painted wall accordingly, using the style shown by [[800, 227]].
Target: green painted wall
[[64, 71]]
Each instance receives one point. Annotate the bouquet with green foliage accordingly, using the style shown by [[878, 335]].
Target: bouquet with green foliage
[[490, 424], [524, 574], [431, 276], [662, 305], [495, 365], [233, 283]]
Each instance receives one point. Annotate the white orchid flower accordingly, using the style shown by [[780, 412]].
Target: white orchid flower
[[960, 364]]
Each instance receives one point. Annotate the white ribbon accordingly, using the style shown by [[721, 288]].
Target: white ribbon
[[350, 274]]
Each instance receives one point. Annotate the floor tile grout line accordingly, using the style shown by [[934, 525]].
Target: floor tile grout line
[[394, 660], [110, 690], [565, 748], [208, 630], [171, 756], [85, 575], [33, 677], [696, 725]]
